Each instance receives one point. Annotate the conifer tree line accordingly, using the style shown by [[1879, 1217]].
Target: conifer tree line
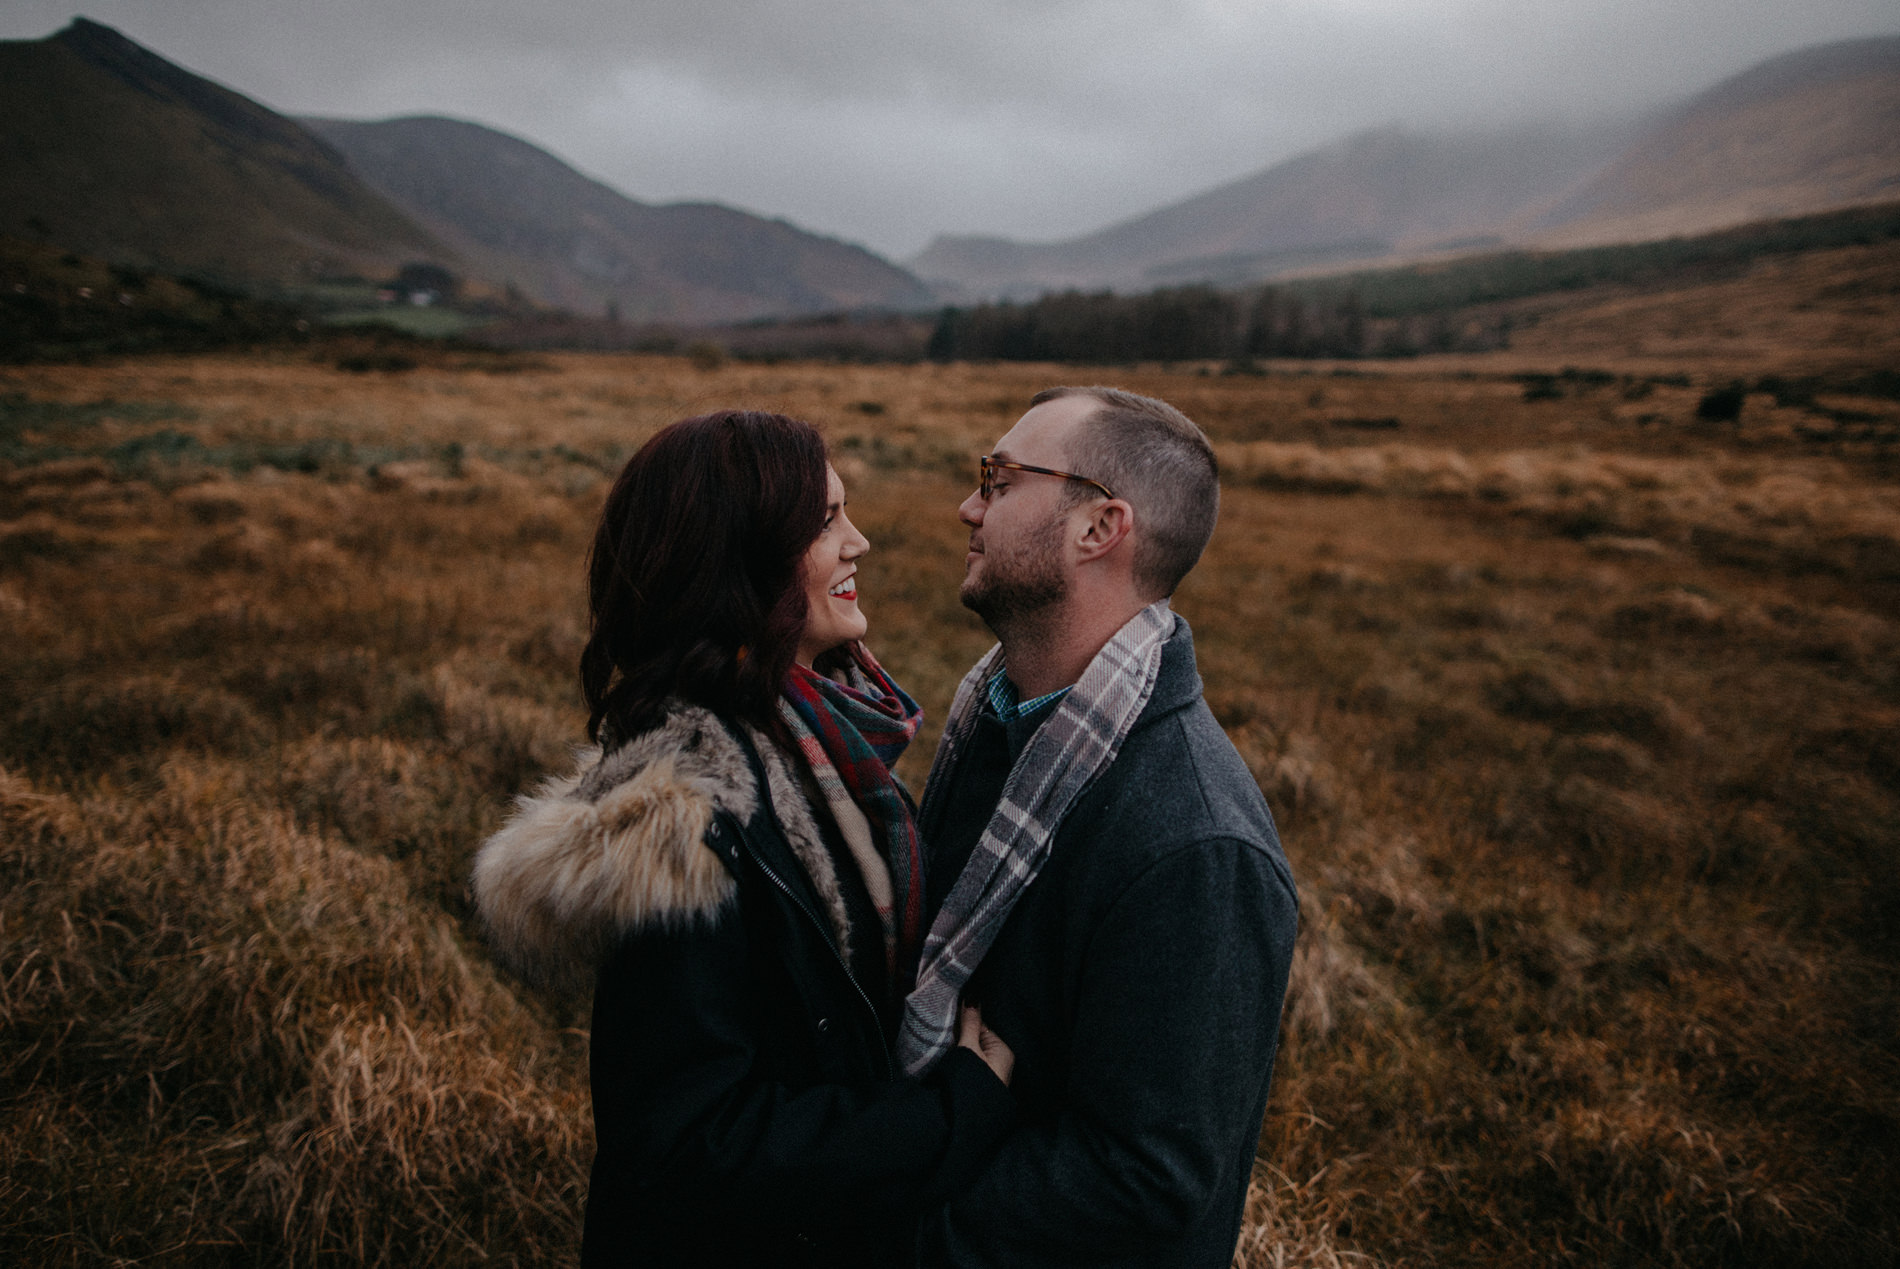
[[1396, 312], [1199, 322]]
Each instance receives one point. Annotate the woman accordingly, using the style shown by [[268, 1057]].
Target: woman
[[741, 872]]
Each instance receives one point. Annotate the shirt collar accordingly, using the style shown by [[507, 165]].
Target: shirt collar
[[1008, 706]]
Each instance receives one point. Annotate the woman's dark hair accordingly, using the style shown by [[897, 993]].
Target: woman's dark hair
[[694, 582]]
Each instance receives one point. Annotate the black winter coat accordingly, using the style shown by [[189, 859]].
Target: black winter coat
[[747, 1108], [1139, 981]]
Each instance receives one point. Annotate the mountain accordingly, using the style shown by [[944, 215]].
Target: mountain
[[1804, 132], [517, 214], [1367, 196], [110, 150]]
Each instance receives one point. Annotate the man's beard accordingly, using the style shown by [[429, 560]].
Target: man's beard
[[1014, 587]]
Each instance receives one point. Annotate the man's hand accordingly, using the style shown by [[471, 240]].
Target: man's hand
[[985, 1043]]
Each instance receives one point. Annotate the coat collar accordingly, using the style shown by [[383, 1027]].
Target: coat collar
[[1178, 683], [620, 846]]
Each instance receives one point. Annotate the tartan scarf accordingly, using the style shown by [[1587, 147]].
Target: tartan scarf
[[851, 734], [1070, 749]]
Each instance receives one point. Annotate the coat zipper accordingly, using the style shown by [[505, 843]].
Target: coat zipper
[[890, 1069]]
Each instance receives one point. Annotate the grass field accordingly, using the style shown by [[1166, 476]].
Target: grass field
[[1581, 718]]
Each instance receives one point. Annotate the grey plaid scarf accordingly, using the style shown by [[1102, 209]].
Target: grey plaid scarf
[[1071, 748]]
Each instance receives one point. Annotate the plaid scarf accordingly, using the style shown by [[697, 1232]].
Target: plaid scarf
[[1073, 746], [851, 734]]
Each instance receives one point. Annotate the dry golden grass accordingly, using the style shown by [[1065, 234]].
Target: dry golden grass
[[1582, 722], [1806, 310]]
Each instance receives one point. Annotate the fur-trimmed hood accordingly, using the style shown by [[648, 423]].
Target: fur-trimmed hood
[[619, 846]]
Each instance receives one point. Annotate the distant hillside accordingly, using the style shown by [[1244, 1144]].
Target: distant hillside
[[1804, 132], [1361, 199], [110, 150], [518, 214], [56, 305], [1484, 302]]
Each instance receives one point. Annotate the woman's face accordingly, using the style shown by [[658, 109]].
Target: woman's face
[[831, 579]]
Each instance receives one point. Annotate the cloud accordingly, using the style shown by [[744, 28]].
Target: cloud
[[887, 122]]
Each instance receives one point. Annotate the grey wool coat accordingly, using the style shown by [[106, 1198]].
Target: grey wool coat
[[747, 1104], [1139, 981]]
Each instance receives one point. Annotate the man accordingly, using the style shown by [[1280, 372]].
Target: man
[[1139, 978]]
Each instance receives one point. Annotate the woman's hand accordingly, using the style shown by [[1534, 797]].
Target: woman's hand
[[985, 1043]]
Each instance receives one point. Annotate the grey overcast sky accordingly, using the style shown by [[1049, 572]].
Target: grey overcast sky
[[886, 122]]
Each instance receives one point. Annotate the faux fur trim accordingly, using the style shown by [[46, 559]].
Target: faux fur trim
[[620, 846], [802, 833]]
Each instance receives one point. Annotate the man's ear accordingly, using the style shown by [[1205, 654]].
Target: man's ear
[[1107, 527]]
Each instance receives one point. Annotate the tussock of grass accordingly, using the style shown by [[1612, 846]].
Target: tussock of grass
[[1583, 753], [253, 1038], [1788, 521], [1289, 1225], [69, 726]]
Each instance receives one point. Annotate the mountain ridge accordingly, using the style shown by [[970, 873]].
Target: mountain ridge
[[577, 243], [1388, 194], [1362, 197], [1721, 158], [116, 152], [111, 150]]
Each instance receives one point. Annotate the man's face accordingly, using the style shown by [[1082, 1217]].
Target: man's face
[[1018, 563]]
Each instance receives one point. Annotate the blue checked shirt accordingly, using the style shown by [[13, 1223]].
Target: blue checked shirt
[[1004, 701]]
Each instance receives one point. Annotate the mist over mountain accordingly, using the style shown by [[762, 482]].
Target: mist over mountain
[[1811, 130], [1804, 132], [520, 216], [1365, 197], [108, 149]]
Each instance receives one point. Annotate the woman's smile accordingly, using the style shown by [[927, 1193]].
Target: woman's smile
[[832, 617]]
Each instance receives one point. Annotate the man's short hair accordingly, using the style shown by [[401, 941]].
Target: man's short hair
[[1159, 462]]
